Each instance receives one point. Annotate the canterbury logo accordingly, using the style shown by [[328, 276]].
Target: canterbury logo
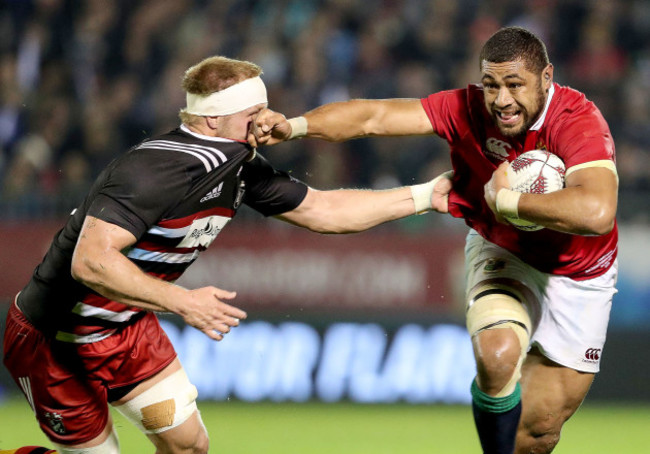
[[497, 147], [593, 354]]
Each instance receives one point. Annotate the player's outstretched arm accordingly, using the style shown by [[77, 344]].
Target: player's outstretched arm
[[99, 264], [355, 210], [340, 121]]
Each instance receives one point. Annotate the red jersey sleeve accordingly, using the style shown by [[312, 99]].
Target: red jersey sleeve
[[442, 108], [580, 133]]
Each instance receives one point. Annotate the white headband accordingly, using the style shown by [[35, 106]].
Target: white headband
[[233, 99]]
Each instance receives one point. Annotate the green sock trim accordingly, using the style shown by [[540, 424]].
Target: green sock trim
[[495, 404]]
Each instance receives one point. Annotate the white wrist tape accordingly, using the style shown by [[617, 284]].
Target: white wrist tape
[[508, 203], [298, 127], [422, 193]]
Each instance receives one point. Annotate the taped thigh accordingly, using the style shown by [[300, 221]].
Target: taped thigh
[[167, 404], [493, 306]]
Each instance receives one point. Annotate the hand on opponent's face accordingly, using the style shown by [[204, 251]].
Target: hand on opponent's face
[[268, 128]]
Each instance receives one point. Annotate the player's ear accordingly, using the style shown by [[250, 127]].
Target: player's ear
[[547, 77], [212, 122]]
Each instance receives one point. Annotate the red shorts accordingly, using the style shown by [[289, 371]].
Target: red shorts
[[66, 384]]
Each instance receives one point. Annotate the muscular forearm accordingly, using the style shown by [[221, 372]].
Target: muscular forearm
[[98, 262], [351, 210], [112, 275], [569, 211], [362, 118], [586, 206], [340, 121], [369, 208]]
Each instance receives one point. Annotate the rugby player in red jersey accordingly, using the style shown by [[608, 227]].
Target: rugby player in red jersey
[[82, 335], [538, 302]]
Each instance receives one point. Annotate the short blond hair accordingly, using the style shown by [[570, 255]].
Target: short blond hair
[[215, 74]]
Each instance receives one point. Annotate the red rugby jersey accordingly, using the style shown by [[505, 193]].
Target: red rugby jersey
[[571, 127]]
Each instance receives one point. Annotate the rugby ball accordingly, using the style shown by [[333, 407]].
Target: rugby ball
[[535, 172]]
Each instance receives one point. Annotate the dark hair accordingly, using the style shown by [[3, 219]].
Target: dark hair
[[515, 43]]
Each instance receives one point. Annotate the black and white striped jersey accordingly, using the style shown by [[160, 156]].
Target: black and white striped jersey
[[174, 193]]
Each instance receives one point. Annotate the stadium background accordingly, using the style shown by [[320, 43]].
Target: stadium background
[[372, 317]]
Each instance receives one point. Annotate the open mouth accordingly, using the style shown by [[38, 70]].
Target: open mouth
[[508, 118]]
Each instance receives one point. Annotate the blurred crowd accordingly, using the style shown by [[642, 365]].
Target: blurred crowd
[[82, 81]]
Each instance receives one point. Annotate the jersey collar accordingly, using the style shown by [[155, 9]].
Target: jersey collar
[[540, 121], [186, 130]]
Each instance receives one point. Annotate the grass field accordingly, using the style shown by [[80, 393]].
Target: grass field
[[315, 428]]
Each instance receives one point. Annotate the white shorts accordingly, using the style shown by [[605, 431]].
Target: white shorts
[[569, 317]]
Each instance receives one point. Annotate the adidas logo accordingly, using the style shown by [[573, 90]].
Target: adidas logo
[[216, 192]]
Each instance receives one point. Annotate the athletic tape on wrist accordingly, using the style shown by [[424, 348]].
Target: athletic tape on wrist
[[508, 203], [422, 193], [298, 127]]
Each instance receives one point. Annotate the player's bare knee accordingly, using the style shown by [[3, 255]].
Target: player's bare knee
[[497, 349], [497, 355], [500, 328]]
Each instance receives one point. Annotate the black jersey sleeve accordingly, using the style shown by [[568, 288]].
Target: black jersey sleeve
[[270, 191], [137, 190]]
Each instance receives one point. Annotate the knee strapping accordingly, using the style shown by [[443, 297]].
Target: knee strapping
[[110, 446], [164, 406], [494, 307]]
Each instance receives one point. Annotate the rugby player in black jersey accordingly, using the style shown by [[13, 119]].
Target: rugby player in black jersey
[[82, 334]]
